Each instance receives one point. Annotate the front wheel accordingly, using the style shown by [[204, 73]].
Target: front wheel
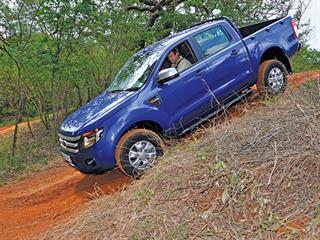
[[272, 78], [138, 150]]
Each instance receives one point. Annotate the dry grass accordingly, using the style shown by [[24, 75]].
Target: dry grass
[[256, 177]]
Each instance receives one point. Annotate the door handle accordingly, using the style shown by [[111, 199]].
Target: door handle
[[253, 37], [234, 52]]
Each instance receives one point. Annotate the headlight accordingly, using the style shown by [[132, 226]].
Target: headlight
[[91, 138]]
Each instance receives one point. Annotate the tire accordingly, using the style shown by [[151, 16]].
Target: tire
[[272, 78], [138, 150]]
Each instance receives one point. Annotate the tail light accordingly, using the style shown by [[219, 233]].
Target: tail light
[[294, 27]]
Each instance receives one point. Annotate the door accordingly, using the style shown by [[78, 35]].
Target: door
[[185, 97], [228, 63]]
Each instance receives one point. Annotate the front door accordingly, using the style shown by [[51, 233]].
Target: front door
[[185, 97]]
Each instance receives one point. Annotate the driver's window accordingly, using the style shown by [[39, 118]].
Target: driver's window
[[181, 57]]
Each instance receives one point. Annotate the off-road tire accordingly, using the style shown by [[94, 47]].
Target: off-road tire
[[127, 141], [264, 84]]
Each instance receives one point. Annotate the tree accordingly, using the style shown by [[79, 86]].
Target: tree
[[17, 25], [174, 15]]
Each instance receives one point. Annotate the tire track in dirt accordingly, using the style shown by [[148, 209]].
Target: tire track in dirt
[[34, 205], [42, 201]]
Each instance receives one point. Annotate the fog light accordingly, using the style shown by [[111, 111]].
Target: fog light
[[91, 162]]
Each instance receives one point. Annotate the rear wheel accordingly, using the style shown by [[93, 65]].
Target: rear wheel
[[272, 78], [138, 150]]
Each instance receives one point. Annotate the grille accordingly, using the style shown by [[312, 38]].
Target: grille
[[69, 144]]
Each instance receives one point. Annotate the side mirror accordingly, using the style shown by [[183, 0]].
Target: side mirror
[[167, 74]]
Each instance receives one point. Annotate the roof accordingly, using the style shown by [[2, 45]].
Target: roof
[[168, 41]]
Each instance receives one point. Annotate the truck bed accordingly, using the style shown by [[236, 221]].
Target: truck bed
[[248, 30]]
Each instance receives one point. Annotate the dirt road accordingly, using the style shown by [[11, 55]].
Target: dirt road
[[35, 205], [9, 129]]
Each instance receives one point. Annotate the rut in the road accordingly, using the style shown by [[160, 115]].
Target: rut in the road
[[40, 202]]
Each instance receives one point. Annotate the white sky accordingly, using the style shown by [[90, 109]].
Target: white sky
[[313, 13]]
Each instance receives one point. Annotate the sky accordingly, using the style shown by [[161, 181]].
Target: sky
[[313, 13]]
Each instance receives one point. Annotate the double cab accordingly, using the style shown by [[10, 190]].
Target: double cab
[[151, 99]]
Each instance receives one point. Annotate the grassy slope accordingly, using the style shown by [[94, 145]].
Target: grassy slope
[[254, 177]]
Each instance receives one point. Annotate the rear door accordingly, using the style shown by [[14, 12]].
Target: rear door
[[228, 63]]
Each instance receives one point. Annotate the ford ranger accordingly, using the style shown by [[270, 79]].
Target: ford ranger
[[151, 99]]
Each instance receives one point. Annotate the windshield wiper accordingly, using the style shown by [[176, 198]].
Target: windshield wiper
[[125, 90]]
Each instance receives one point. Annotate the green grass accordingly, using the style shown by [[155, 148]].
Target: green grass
[[7, 122]]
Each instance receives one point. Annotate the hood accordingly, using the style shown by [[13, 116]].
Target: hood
[[93, 111]]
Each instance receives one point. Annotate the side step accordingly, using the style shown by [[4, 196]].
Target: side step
[[219, 110]]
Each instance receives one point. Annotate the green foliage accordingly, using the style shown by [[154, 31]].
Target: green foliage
[[306, 60], [220, 166], [67, 52]]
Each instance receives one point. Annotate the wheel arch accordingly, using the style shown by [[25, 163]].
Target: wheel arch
[[276, 53], [146, 124]]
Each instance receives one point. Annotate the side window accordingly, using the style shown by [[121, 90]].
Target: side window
[[181, 57], [212, 41]]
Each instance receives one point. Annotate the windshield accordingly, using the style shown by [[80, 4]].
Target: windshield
[[135, 72]]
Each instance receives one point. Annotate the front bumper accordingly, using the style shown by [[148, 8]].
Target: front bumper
[[87, 164], [95, 160]]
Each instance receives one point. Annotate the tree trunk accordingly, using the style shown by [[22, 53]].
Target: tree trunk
[[15, 135], [29, 125], [18, 117]]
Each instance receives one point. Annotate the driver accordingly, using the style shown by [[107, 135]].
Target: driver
[[177, 61]]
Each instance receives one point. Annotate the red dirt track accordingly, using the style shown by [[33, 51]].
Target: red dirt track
[[9, 129], [36, 204]]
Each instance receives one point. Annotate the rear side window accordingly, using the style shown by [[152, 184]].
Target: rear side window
[[212, 41]]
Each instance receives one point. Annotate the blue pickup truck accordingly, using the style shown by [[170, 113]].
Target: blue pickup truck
[[172, 86]]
